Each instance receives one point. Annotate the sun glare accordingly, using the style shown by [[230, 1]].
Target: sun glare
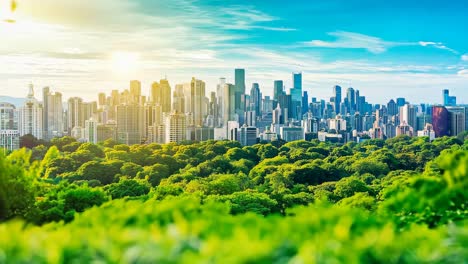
[[6, 13], [124, 62]]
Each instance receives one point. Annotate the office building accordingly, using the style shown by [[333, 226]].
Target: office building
[[175, 127], [90, 131], [440, 121], [130, 124], [30, 116], [9, 134], [248, 135], [337, 96], [52, 114], [448, 100], [278, 89]]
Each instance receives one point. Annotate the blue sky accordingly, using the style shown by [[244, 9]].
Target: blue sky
[[383, 48]]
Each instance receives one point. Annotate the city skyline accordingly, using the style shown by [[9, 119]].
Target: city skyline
[[403, 50]]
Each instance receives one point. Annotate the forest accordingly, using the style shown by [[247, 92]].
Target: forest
[[401, 200]]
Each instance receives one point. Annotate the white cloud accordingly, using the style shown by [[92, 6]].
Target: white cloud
[[438, 45], [464, 57], [463, 73], [352, 40]]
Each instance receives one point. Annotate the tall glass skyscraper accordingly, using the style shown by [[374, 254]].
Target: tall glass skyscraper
[[337, 93], [277, 89], [239, 78]]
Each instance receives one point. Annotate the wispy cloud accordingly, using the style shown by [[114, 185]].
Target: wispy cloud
[[376, 45], [351, 40], [463, 73], [464, 57], [438, 45]]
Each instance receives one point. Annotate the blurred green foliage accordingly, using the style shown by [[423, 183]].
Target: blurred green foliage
[[403, 200]]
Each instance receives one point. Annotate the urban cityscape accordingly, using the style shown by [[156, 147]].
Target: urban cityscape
[[187, 112], [209, 131]]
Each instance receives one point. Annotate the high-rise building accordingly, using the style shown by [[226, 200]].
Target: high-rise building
[[296, 97], [90, 131], [228, 103], [53, 114], [267, 105], [462, 110], [255, 99], [76, 116], [408, 115], [297, 81], [457, 122], [351, 96], [248, 135], [176, 127], [305, 102], [277, 115], [440, 121], [8, 120], [392, 108], [106, 131], [135, 91], [278, 89], [239, 77], [30, 116], [400, 102], [449, 100], [102, 100], [9, 134], [291, 133], [45, 116], [130, 124], [179, 99], [337, 96], [198, 107], [161, 95]]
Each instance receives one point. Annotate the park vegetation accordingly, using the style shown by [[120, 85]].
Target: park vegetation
[[402, 200]]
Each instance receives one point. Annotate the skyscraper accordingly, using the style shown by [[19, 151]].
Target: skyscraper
[[76, 116], [449, 100], [305, 102], [400, 102], [239, 80], [278, 89], [197, 97], [297, 81], [255, 99], [90, 129], [240, 88], [176, 127], [165, 95], [296, 96], [179, 99], [247, 135], [53, 114], [392, 108], [351, 95], [229, 100], [45, 116], [130, 124], [337, 95], [30, 116], [8, 119], [9, 134], [408, 115], [440, 121], [135, 91]]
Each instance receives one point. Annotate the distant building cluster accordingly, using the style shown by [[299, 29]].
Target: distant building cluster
[[187, 112]]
